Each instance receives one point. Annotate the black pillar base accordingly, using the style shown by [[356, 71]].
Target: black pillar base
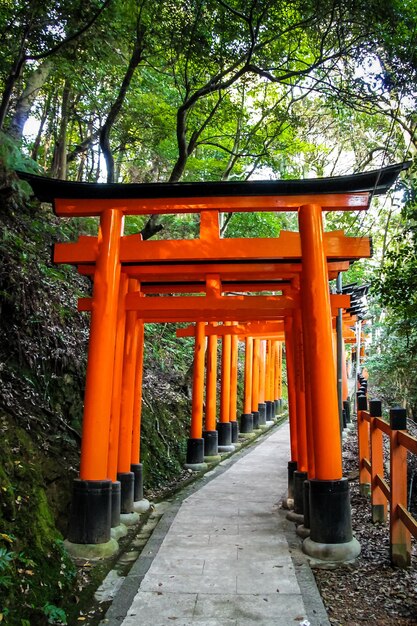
[[292, 467], [304, 529], [330, 519], [262, 413], [331, 537], [211, 442], [195, 451], [137, 470], [90, 519], [299, 480], [225, 437], [255, 415], [276, 407], [269, 410], [288, 502], [297, 514], [115, 503], [127, 482], [235, 431], [346, 407], [246, 423], [307, 504], [224, 430]]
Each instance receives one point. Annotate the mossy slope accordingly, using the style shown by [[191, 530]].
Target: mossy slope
[[43, 345]]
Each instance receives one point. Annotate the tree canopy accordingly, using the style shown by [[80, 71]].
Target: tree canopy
[[138, 91], [201, 89]]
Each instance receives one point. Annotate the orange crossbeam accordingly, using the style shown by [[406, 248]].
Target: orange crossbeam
[[255, 272], [191, 308], [264, 329], [148, 206], [157, 288], [286, 247], [210, 309]]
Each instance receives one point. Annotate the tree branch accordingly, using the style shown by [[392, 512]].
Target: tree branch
[[73, 37]]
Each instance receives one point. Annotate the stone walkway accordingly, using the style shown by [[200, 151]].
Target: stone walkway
[[227, 556]]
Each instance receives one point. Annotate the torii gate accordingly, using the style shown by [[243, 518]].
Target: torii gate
[[230, 334], [110, 250], [221, 307], [197, 449]]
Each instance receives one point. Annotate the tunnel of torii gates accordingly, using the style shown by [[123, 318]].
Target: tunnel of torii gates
[[269, 292]]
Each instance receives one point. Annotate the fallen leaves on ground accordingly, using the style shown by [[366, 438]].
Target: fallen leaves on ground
[[369, 592]]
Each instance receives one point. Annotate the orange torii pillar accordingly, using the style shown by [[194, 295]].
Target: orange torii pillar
[[90, 520], [262, 382], [268, 382], [115, 407], [278, 377], [246, 419], [195, 443], [124, 459], [210, 434], [331, 536], [224, 427], [292, 409], [338, 374], [255, 382], [233, 389], [271, 382], [304, 529], [301, 473], [345, 389], [140, 504]]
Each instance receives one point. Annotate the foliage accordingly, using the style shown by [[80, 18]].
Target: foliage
[[395, 288], [397, 284], [221, 89], [393, 363]]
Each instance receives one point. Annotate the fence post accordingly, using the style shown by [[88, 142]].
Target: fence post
[[378, 499], [363, 446], [400, 540]]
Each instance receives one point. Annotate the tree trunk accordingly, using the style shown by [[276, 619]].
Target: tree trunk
[[83, 146], [151, 228], [35, 81], [181, 162], [59, 162], [37, 142], [116, 107], [9, 83]]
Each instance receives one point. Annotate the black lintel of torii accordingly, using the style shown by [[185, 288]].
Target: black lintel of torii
[[375, 182]]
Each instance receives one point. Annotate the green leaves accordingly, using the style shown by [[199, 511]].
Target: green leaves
[[54, 614]]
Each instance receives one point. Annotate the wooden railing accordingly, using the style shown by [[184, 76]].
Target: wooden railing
[[386, 496]]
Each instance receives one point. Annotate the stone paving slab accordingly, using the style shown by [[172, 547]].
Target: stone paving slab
[[266, 609], [229, 556]]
